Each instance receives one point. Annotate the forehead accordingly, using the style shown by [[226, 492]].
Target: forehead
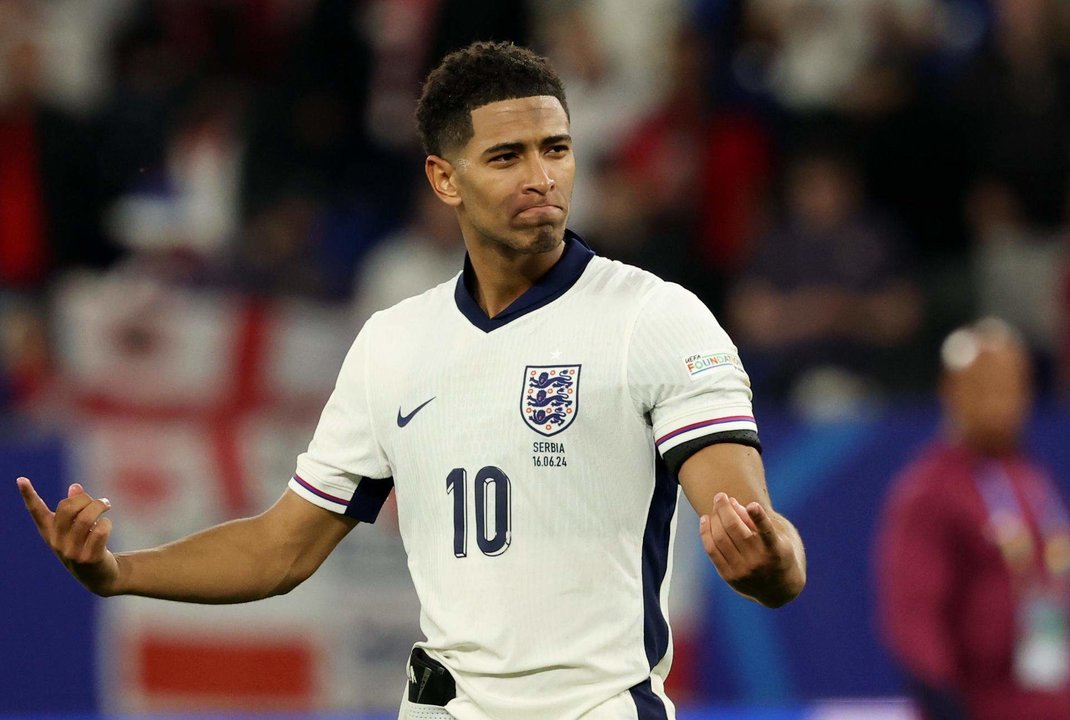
[[517, 120], [997, 364]]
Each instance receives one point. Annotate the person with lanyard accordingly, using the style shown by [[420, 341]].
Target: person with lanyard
[[973, 552]]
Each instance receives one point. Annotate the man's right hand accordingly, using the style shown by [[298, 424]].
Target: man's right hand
[[77, 534]]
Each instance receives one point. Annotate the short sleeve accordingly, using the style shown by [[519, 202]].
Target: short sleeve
[[344, 469], [684, 372]]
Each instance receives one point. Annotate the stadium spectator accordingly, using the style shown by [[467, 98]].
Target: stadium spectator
[[182, 219], [1012, 107], [645, 199], [24, 358], [828, 291], [50, 194], [821, 52], [1017, 270], [684, 192], [425, 252], [606, 101], [973, 555]]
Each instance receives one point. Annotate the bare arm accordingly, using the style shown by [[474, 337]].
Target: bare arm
[[238, 561], [756, 550]]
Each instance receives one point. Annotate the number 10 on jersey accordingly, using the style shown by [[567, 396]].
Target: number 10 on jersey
[[492, 510]]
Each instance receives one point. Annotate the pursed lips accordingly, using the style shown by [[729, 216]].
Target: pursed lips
[[541, 206]]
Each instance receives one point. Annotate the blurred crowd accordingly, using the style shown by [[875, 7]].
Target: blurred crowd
[[841, 182]]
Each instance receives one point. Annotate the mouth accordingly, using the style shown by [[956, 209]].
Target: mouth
[[541, 210]]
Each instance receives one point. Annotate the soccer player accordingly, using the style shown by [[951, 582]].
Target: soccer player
[[536, 417]]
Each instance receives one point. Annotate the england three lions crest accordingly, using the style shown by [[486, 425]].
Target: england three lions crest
[[551, 397]]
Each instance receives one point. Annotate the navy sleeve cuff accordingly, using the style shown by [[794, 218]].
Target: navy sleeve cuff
[[676, 457], [368, 499]]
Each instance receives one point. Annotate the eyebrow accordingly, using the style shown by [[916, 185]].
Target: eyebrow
[[516, 146]]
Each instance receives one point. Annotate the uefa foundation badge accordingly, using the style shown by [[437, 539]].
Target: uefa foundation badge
[[551, 397]]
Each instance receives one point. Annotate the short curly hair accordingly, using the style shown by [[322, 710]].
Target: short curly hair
[[467, 79]]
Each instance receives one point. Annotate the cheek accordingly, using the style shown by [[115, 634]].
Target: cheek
[[481, 198], [1001, 413], [567, 173], [496, 191]]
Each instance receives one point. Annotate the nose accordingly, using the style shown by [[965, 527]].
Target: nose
[[539, 180]]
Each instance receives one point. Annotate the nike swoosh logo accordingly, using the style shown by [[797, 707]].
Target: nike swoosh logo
[[403, 420]]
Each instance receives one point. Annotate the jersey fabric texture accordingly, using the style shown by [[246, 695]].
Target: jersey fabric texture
[[534, 457]]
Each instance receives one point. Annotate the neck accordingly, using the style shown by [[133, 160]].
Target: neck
[[990, 447], [502, 274]]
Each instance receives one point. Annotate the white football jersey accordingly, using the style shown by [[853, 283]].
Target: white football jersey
[[534, 457]]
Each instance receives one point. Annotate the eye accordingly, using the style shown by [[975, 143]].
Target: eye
[[559, 149], [504, 157]]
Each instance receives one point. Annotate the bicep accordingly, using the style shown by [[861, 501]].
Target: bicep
[[726, 467]]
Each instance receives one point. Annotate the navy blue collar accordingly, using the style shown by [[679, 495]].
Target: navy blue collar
[[563, 275]]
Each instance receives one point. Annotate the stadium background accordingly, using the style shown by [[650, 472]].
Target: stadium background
[[201, 200]]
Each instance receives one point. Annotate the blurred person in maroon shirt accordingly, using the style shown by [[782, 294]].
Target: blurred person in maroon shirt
[[973, 563]]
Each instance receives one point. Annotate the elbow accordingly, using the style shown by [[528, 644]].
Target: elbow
[[289, 581], [295, 573], [284, 587]]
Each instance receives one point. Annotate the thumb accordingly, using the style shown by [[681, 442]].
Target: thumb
[[75, 489]]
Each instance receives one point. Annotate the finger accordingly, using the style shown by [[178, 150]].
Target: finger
[[734, 527], [706, 535], [68, 508], [731, 550], [766, 529], [75, 489], [710, 546], [83, 525], [97, 542], [42, 516], [744, 515]]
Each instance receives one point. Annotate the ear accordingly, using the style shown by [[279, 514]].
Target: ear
[[440, 173]]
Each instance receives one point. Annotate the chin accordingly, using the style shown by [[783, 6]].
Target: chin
[[524, 240], [547, 237], [998, 444], [534, 241]]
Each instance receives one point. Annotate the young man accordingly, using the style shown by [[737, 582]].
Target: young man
[[536, 418]]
